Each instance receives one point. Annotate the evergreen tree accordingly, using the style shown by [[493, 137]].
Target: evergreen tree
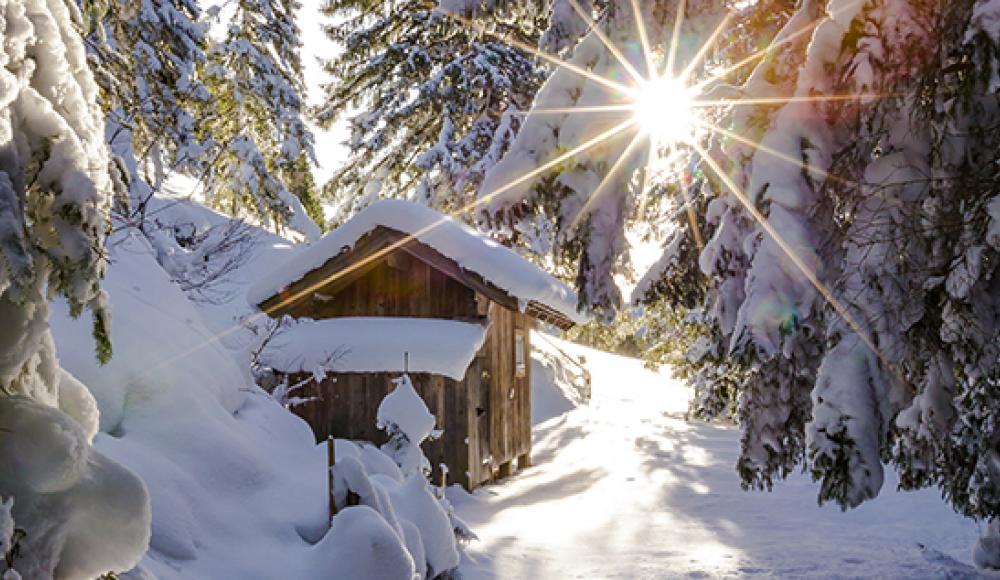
[[145, 56], [845, 220], [586, 168], [259, 145], [438, 100], [55, 190]]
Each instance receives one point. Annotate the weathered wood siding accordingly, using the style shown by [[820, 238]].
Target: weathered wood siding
[[346, 407], [395, 285], [486, 417]]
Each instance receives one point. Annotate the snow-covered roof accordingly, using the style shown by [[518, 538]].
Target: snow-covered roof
[[362, 344], [496, 264]]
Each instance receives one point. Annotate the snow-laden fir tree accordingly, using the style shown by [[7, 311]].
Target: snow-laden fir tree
[[259, 146], [432, 99], [82, 514], [147, 56], [594, 192], [846, 228]]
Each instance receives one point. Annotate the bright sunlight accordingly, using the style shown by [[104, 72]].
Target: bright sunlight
[[664, 110]]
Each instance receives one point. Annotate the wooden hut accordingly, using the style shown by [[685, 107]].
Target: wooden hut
[[399, 288]]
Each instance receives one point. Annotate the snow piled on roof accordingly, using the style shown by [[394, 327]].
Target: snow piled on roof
[[441, 347], [497, 264]]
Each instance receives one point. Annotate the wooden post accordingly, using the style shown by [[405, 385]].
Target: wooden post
[[331, 459], [406, 362]]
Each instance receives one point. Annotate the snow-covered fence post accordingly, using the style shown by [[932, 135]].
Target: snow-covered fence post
[[331, 460]]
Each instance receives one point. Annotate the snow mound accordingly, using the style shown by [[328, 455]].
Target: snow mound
[[237, 485], [88, 515], [362, 546], [442, 347], [497, 264], [986, 552]]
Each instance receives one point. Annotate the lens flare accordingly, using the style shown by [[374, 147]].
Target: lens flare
[[663, 109]]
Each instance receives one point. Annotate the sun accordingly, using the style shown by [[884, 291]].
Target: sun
[[663, 108]]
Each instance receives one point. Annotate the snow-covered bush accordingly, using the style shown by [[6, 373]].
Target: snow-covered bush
[[420, 520], [398, 489]]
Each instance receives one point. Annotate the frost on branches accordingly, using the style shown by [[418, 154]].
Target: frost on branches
[[147, 55], [82, 515]]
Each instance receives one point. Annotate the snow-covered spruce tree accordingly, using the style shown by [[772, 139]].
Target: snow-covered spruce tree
[[259, 146], [82, 514], [892, 219], [590, 221], [437, 100], [850, 243], [146, 57]]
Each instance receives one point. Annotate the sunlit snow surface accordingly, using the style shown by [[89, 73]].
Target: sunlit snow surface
[[625, 488]]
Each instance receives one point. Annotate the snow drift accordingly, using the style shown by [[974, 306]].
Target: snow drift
[[236, 482]]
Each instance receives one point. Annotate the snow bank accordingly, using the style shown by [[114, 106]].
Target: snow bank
[[442, 347], [560, 381], [237, 484], [499, 265]]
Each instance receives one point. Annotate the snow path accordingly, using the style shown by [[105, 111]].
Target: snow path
[[625, 488]]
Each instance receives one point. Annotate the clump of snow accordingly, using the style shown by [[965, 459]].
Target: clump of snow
[[442, 347], [986, 552], [360, 546], [405, 410], [404, 416], [473, 252], [83, 514]]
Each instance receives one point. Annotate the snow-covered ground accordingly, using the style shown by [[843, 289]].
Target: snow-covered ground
[[626, 488]]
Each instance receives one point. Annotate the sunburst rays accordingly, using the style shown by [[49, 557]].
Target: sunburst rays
[[631, 123]]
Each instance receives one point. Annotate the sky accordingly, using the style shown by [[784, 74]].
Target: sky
[[330, 151]]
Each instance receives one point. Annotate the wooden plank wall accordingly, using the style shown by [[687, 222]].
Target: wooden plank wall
[[486, 417], [347, 408], [397, 285], [505, 433]]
